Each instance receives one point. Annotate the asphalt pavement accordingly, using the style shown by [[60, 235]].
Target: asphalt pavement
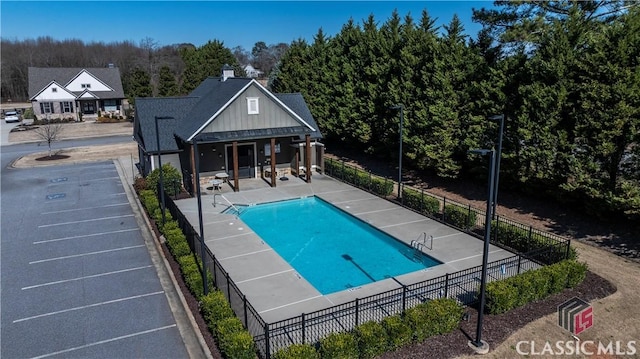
[[81, 273]]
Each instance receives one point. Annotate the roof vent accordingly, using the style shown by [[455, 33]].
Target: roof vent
[[227, 71]]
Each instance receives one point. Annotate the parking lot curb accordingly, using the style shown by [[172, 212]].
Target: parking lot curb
[[187, 326]]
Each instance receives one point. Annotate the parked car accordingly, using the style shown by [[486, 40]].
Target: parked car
[[11, 116]]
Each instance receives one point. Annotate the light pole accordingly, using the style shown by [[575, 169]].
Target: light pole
[[401, 108], [205, 283], [498, 157], [162, 206], [479, 345]]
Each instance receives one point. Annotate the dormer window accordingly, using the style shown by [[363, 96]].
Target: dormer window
[[253, 105], [86, 86], [54, 89]]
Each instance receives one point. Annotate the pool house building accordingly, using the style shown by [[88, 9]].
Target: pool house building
[[233, 128]]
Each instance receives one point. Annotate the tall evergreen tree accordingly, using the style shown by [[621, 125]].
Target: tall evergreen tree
[[167, 85]]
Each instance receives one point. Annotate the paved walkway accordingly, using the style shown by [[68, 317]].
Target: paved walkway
[[274, 288]]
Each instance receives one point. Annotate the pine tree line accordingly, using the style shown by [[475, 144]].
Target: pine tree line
[[565, 73]]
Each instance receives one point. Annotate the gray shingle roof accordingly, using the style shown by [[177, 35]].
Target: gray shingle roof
[[214, 94], [146, 111], [296, 102], [40, 77], [192, 112]]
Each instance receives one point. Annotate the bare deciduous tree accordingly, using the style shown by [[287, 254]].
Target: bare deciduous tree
[[49, 133]]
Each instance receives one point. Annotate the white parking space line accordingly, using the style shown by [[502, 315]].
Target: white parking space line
[[88, 306], [86, 277], [289, 304], [264, 276], [378, 210], [352, 200], [246, 254], [88, 208], [404, 223], [477, 255], [105, 341], [84, 221], [227, 237], [449, 235], [101, 179], [86, 254], [86, 235]]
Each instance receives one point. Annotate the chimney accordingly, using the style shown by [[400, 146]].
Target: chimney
[[227, 71]]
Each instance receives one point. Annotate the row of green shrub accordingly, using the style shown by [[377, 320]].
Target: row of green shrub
[[511, 235], [359, 178], [233, 340], [513, 292], [527, 241], [417, 201], [371, 339]]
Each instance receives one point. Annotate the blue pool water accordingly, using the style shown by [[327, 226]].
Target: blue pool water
[[331, 249]]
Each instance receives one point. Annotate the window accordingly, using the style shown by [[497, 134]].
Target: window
[[67, 107], [86, 86], [253, 105], [267, 148], [54, 89], [46, 107]]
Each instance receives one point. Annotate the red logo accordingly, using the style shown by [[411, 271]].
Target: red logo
[[575, 315]]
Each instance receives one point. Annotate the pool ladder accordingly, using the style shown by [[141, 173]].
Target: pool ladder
[[420, 244]]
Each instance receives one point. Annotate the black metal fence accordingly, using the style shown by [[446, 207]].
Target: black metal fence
[[542, 249]]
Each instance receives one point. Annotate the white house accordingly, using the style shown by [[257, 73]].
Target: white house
[[68, 92], [252, 72]]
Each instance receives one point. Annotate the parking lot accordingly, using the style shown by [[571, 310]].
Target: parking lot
[[78, 279]]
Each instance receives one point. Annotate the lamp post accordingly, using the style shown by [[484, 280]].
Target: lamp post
[[498, 157], [199, 195], [162, 206], [479, 345], [401, 108]]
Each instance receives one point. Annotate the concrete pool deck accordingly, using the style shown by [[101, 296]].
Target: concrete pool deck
[[274, 288]]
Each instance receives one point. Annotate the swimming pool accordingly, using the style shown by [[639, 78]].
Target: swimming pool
[[331, 249]]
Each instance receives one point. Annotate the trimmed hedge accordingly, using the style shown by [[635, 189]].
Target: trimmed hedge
[[460, 217], [434, 317], [514, 292], [417, 201], [234, 341], [339, 346], [297, 351], [359, 178], [214, 308], [170, 175], [526, 241], [398, 331], [372, 339]]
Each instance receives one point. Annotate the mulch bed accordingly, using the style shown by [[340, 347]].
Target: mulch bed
[[497, 328], [52, 158]]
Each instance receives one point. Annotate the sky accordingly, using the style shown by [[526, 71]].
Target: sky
[[235, 23]]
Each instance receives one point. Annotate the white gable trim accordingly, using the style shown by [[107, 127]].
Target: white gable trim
[[87, 94], [57, 97], [291, 112], [263, 90], [84, 71]]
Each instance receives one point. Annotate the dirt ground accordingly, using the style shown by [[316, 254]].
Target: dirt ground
[[616, 317]]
